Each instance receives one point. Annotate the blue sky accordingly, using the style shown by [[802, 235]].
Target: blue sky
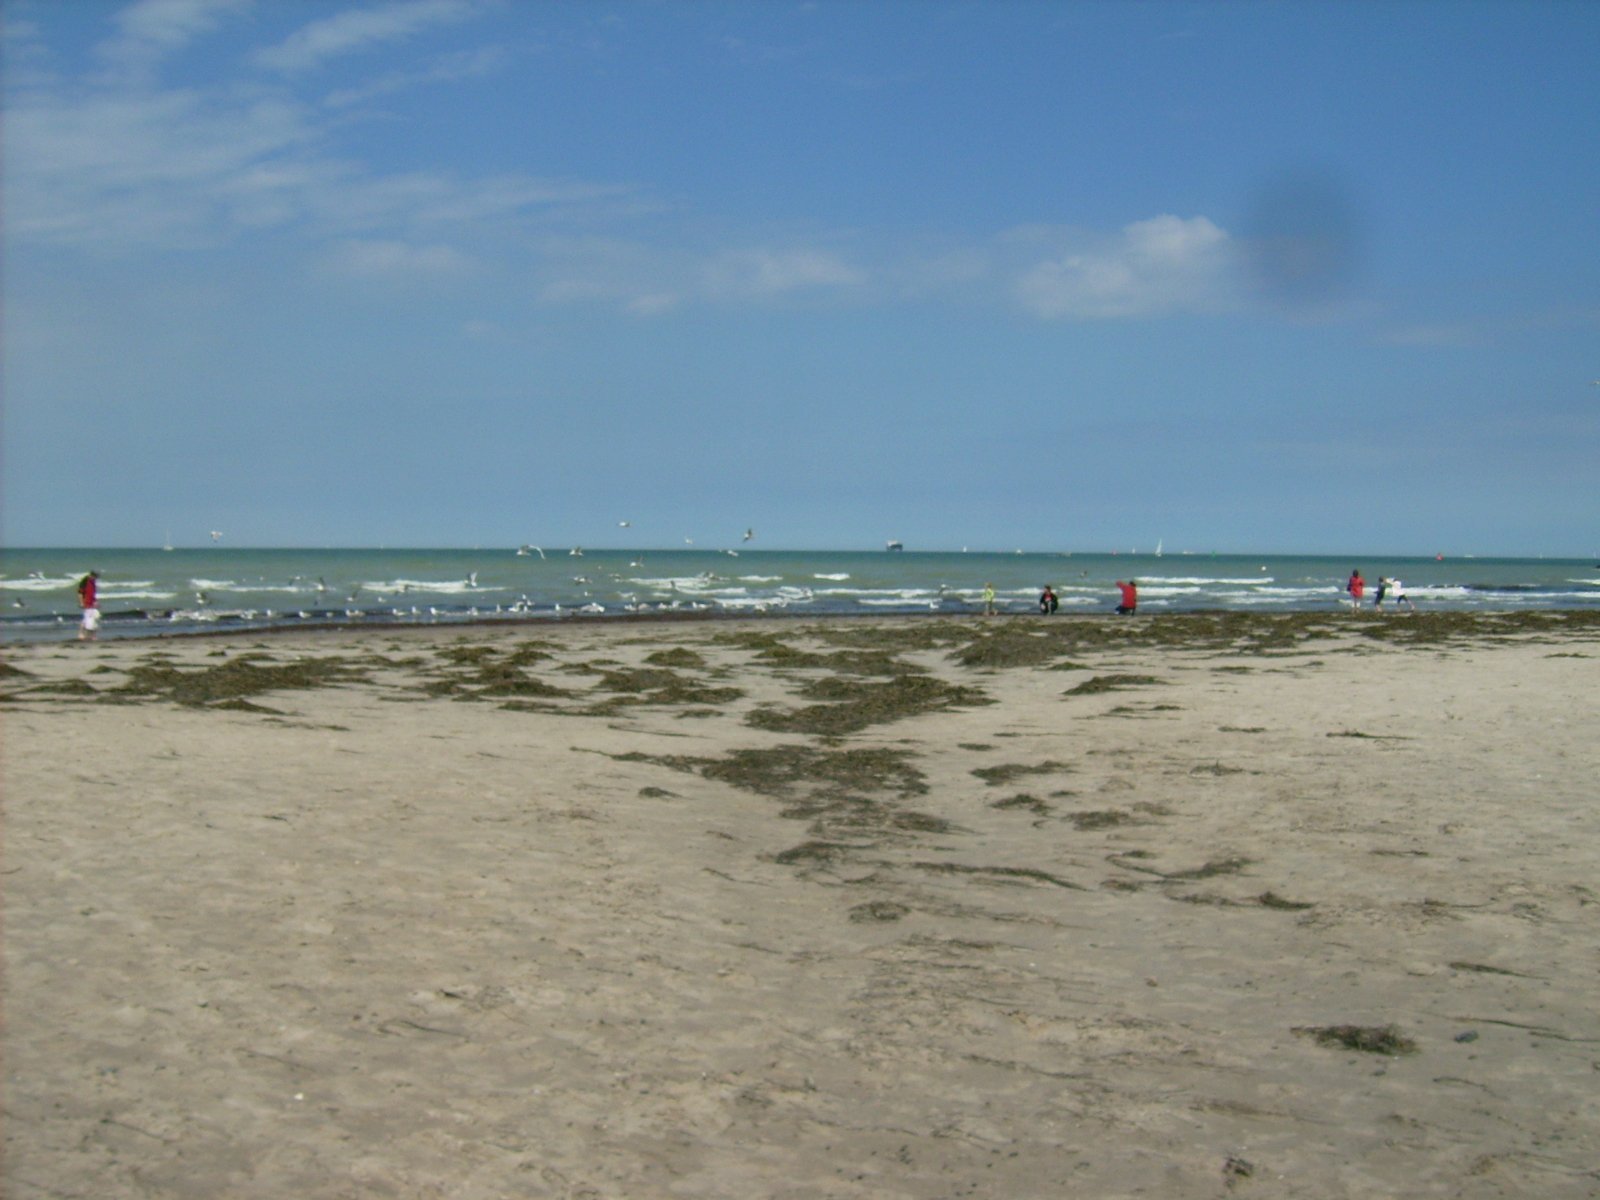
[[1242, 276]]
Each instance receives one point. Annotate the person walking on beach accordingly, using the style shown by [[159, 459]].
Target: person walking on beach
[[1400, 597], [1047, 600], [1357, 587], [1130, 597], [1383, 586], [89, 599], [988, 599]]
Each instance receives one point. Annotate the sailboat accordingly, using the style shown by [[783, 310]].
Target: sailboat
[[1158, 547], [167, 545]]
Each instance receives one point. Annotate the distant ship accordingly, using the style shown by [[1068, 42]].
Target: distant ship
[[893, 545]]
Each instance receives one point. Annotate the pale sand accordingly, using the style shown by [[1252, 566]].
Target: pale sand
[[384, 941]]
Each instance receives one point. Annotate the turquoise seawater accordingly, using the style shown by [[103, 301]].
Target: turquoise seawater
[[148, 592]]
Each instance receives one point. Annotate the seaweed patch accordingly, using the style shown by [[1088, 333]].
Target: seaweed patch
[[1368, 1039]]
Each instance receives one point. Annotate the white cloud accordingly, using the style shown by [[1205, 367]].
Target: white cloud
[[131, 168], [349, 32], [467, 64], [1164, 264], [393, 259], [154, 29], [767, 273], [127, 168]]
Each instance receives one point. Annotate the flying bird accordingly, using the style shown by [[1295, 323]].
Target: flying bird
[[748, 534]]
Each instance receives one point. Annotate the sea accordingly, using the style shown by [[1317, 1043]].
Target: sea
[[159, 592]]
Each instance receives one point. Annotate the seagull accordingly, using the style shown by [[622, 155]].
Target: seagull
[[216, 535], [623, 524], [748, 534]]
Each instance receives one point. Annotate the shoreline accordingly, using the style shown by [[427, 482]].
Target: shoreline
[[1180, 905], [1530, 618]]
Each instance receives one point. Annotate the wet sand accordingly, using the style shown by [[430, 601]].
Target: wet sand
[[1191, 906]]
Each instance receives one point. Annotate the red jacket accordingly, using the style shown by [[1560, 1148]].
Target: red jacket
[[1357, 587], [1130, 594], [86, 591]]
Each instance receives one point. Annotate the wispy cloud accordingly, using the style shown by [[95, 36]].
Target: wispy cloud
[[1164, 264], [133, 169], [771, 272], [466, 64], [648, 279], [350, 32], [151, 30], [121, 162], [391, 260]]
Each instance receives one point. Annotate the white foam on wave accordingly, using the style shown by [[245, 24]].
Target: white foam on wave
[[842, 575], [123, 593], [451, 587], [745, 601], [760, 578], [676, 583], [1200, 580], [40, 583]]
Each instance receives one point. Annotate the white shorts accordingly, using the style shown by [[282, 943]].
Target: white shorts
[[91, 619]]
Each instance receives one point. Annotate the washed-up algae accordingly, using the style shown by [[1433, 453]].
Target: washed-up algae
[[494, 679], [879, 910], [783, 770], [1109, 818], [677, 656], [772, 651], [234, 679], [1022, 800], [856, 704], [1369, 1039], [60, 687], [1110, 683], [898, 638], [1010, 646], [1006, 772], [1025, 873], [656, 686]]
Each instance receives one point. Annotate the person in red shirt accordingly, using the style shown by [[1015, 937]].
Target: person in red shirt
[[1357, 587], [89, 598], [1130, 597]]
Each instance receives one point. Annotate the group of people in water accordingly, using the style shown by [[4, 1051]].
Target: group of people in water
[[1128, 592], [1357, 589]]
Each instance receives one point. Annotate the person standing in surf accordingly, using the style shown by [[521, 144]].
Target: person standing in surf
[[89, 599], [1130, 597], [1357, 587]]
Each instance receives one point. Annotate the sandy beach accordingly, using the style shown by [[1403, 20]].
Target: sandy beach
[[1190, 906]]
